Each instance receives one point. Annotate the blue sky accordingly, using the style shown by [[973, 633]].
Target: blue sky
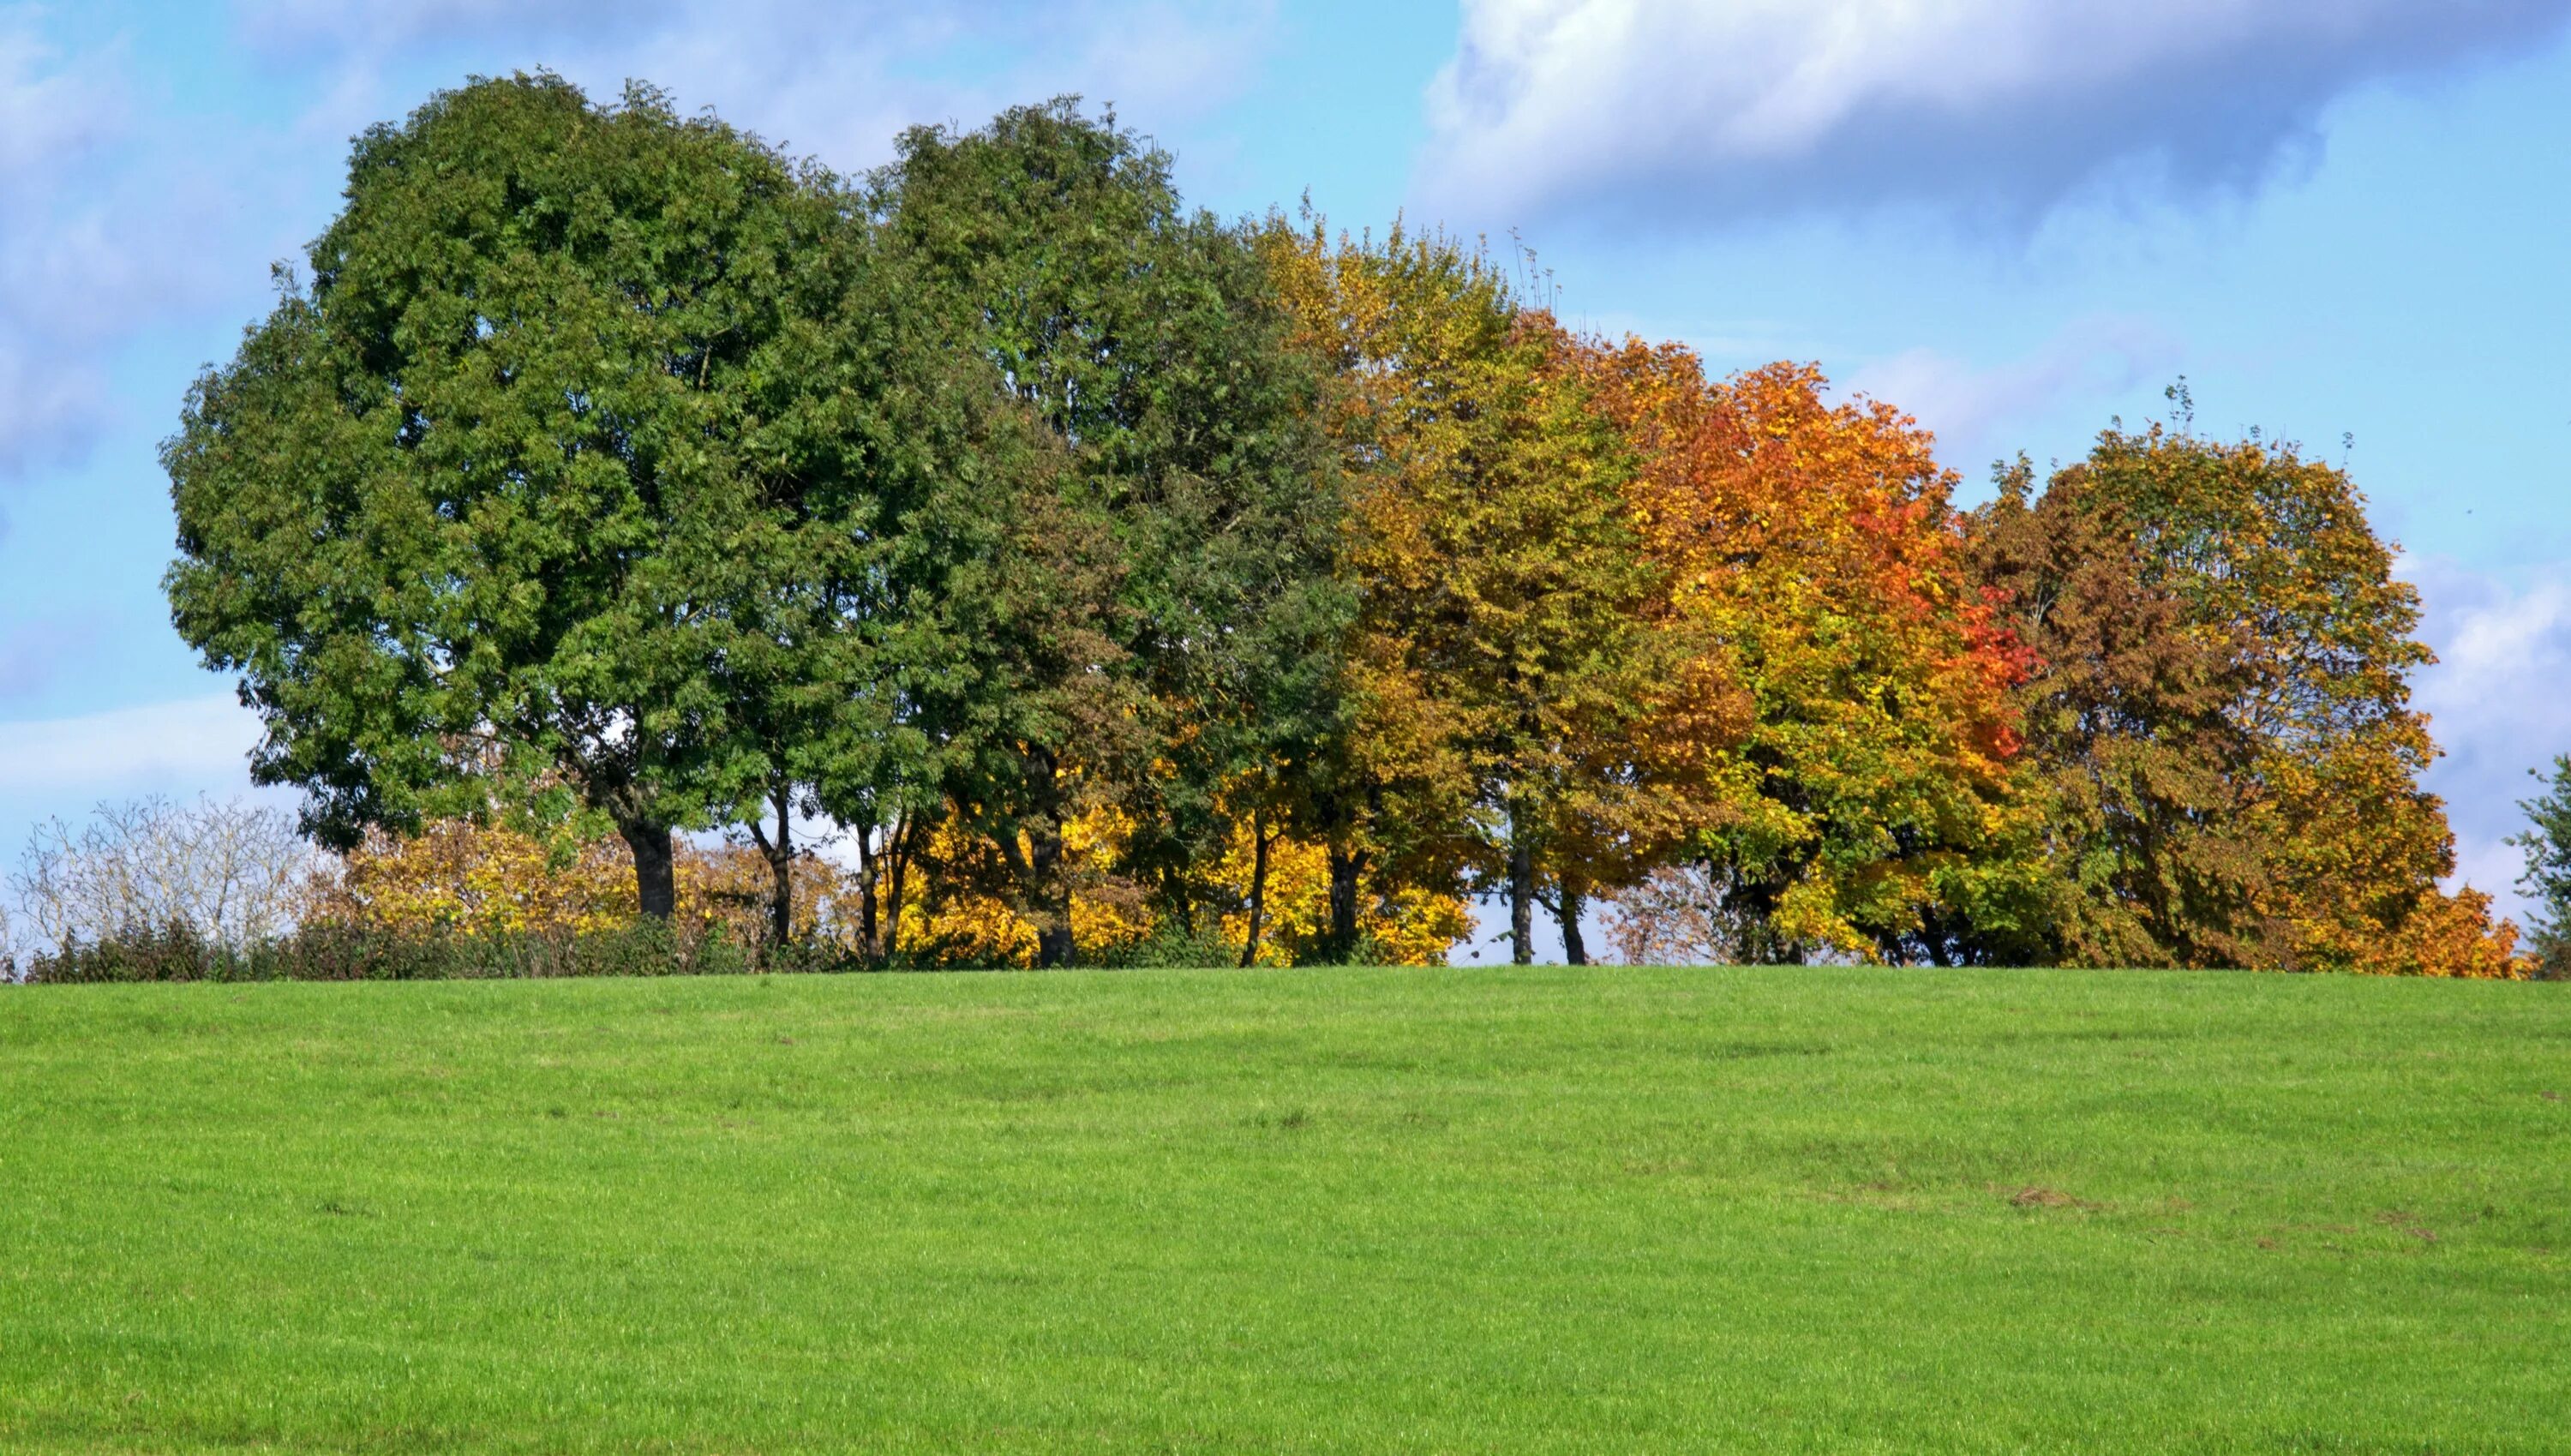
[[2016, 218]]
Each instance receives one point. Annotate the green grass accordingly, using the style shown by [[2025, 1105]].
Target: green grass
[[1418, 1211]]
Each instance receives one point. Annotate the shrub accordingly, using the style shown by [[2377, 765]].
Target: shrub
[[230, 874], [340, 951]]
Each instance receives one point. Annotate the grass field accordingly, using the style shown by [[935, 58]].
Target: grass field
[[1404, 1211]]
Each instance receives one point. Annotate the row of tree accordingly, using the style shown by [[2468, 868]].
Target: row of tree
[[1081, 556]]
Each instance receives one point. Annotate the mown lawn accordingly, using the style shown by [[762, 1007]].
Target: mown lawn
[[1407, 1210]]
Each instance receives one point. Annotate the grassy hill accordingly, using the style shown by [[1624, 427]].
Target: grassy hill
[[1419, 1210]]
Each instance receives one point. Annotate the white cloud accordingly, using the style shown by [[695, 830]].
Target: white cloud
[[50, 110], [308, 26], [833, 81], [58, 115], [35, 653], [2495, 703], [1675, 112], [189, 745], [48, 406], [1969, 408]]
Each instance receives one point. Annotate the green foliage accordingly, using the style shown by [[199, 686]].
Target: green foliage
[[2547, 846], [330, 951], [1470, 1210], [1160, 619], [1173, 946], [521, 488]]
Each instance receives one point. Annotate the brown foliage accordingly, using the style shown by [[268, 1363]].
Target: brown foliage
[[2222, 712]]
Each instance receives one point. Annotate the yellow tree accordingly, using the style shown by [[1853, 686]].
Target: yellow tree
[[1501, 648], [509, 875], [963, 915]]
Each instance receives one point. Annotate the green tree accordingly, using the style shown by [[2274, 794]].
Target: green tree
[[2547, 846], [1162, 622], [522, 487]]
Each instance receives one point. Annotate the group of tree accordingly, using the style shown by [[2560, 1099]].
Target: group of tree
[[1098, 570]]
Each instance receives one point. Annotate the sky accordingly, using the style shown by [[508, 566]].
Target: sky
[[2343, 222]]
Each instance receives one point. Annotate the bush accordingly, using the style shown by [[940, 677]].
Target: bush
[[232, 874], [334, 951], [1170, 947]]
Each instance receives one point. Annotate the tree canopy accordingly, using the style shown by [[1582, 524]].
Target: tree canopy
[[2222, 709], [1114, 581], [1159, 631], [524, 483], [2546, 842]]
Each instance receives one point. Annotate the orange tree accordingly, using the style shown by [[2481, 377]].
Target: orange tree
[[1861, 793]]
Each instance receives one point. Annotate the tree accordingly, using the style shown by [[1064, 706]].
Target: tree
[[1500, 653], [509, 874], [2547, 847], [1392, 795], [1155, 623], [501, 874], [2222, 712], [2128, 719], [519, 484], [1859, 792]]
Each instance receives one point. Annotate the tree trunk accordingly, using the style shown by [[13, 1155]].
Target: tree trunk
[[1052, 894], [1347, 864], [780, 854], [868, 875], [655, 881], [1521, 901], [1048, 889], [1179, 905], [899, 847], [780, 906], [1257, 890], [1575, 951]]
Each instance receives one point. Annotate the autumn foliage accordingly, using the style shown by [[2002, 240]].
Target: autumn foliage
[[1863, 796], [2220, 715], [992, 562]]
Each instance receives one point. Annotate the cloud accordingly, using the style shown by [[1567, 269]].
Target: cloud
[[306, 27], [34, 654], [1969, 408], [2495, 703], [834, 80], [191, 743], [50, 110], [1672, 112], [59, 116]]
